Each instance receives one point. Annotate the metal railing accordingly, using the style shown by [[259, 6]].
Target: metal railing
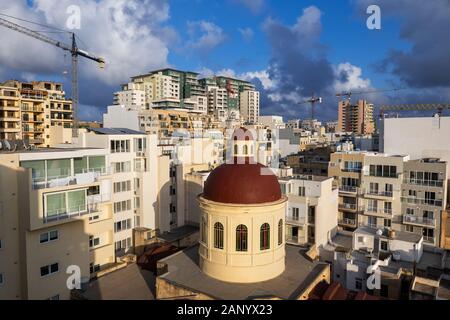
[[429, 202], [421, 182], [350, 189], [352, 170], [63, 214], [407, 218], [379, 211], [428, 239], [295, 220], [388, 194], [346, 221]]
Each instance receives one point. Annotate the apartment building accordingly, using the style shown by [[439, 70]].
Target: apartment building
[[249, 106], [132, 95], [30, 111], [136, 182], [312, 210], [369, 188], [355, 118], [424, 199], [272, 122], [56, 215], [218, 103], [392, 192]]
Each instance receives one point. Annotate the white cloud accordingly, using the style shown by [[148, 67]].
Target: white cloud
[[124, 32], [349, 77], [247, 33], [204, 36]]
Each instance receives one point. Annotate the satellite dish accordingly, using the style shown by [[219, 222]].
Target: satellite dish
[[379, 232]]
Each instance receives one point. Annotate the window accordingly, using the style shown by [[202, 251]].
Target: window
[[2, 279], [48, 236], [264, 237], [410, 211], [373, 205], [361, 239], [122, 225], [358, 283], [295, 213], [301, 191], [383, 171], [122, 206], [218, 235], [120, 146], [93, 242], [236, 149], [122, 186], [387, 223], [280, 232], [122, 166], [245, 149], [204, 230], [49, 269], [1, 244], [409, 228], [384, 245], [241, 238], [372, 222]]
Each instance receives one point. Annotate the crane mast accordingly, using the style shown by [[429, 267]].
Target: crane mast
[[74, 51]]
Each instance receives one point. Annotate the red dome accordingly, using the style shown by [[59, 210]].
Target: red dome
[[241, 184]]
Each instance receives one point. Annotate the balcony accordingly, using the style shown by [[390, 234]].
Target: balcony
[[427, 202], [350, 190], [347, 222], [376, 193], [419, 221], [429, 240], [379, 212], [74, 212], [426, 183], [86, 177], [352, 207], [295, 220], [32, 109]]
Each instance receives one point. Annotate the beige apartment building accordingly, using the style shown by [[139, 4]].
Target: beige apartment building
[[249, 106], [391, 191], [30, 111], [424, 199], [355, 118], [55, 214]]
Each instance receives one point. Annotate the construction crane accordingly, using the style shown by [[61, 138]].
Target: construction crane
[[74, 51], [348, 94], [313, 100], [439, 107]]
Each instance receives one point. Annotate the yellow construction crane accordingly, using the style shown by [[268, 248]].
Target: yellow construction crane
[[438, 107], [74, 51]]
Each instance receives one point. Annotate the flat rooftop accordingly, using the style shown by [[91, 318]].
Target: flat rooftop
[[305, 178], [183, 271], [399, 235], [129, 283]]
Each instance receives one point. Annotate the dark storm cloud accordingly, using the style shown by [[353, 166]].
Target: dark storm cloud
[[425, 25]]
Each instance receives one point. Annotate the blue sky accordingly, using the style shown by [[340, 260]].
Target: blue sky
[[289, 49]]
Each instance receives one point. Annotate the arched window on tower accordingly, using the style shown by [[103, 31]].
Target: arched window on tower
[[204, 230], [236, 151], [218, 235], [241, 238], [265, 237], [280, 232], [245, 149]]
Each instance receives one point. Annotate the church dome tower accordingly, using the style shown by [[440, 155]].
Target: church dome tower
[[242, 218]]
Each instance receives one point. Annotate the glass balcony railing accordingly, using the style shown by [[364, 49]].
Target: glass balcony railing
[[87, 176], [427, 183], [411, 219]]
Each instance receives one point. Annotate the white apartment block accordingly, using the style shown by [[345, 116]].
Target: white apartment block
[[312, 211], [132, 96], [272, 122], [217, 102], [134, 163], [56, 212], [249, 106]]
